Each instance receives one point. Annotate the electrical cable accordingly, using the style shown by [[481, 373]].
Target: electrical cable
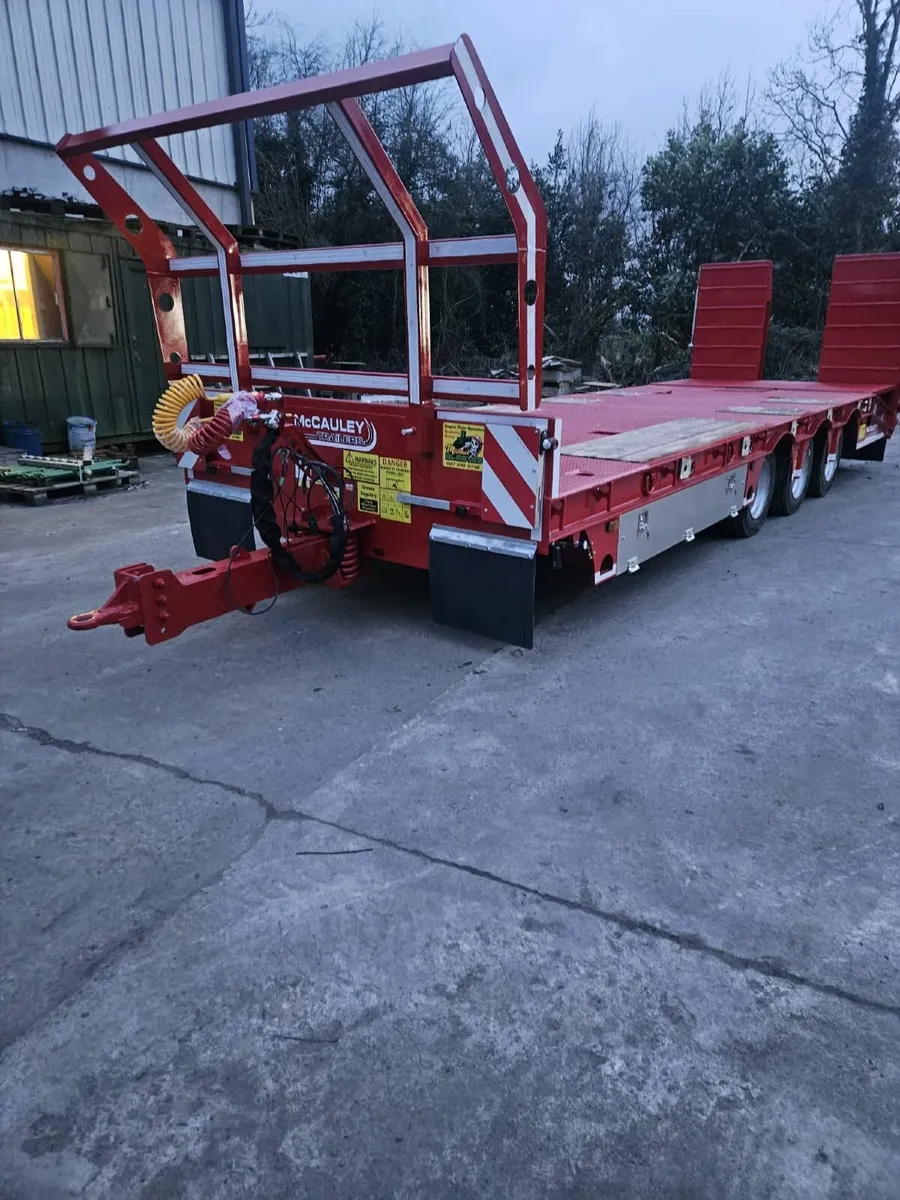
[[254, 611], [309, 472]]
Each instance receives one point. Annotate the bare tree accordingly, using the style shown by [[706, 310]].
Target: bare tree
[[847, 71]]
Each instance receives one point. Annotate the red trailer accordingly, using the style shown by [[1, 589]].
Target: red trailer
[[470, 479]]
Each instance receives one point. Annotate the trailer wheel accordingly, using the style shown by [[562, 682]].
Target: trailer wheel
[[823, 471], [752, 516], [789, 492]]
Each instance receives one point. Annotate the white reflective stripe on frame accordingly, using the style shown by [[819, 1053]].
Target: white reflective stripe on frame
[[498, 497], [520, 198], [489, 417], [446, 387], [443, 250], [409, 246]]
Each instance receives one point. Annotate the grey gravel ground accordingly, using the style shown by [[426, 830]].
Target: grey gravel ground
[[337, 903]]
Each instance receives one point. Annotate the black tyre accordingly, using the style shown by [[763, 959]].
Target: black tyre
[[823, 470], [752, 516], [790, 492]]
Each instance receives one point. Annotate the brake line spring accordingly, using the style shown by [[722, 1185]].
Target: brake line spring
[[350, 561]]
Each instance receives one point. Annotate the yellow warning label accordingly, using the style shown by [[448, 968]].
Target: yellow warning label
[[393, 509], [862, 432], [367, 497], [232, 437], [396, 474], [463, 446], [361, 467]]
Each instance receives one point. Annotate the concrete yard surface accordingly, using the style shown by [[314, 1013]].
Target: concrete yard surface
[[333, 903]]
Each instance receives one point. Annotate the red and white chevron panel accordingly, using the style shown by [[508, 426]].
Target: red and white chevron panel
[[510, 478]]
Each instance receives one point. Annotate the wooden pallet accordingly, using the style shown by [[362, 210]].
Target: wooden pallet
[[35, 494]]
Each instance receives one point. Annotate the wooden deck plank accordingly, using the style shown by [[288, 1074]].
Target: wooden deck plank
[[658, 441]]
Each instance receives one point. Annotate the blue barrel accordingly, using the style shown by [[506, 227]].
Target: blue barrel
[[19, 436], [82, 432]]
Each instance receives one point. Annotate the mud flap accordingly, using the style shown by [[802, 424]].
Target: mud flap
[[220, 518], [874, 452], [483, 583]]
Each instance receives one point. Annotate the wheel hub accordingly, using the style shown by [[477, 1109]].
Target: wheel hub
[[763, 490], [832, 460], [801, 480]]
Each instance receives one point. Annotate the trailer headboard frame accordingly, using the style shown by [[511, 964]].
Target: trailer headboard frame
[[414, 254]]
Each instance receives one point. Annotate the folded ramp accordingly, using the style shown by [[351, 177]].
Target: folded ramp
[[731, 321], [861, 341]]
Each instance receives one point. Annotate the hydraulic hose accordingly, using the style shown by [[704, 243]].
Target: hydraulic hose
[[200, 435], [169, 407]]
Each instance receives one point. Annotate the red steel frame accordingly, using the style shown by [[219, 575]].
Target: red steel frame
[[526, 248], [540, 484]]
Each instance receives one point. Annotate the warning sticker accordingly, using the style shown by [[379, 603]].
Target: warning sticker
[[361, 467], [378, 480], [232, 437], [393, 509], [367, 498], [396, 474], [463, 446]]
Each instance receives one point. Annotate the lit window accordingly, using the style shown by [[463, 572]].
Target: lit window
[[30, 298]]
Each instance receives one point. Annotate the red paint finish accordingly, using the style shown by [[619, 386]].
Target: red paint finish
[[151, 244], [519, 191], [418, 336], [590, 494], [384, 75], [512, 176], [229, 252], [517, 473], [530, 485], [592, 490], [861, 342], [162, 604], [731, 321]]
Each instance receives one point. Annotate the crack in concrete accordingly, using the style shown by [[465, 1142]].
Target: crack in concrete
[[693, 942], [43, 737]]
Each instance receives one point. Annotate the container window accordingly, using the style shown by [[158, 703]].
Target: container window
[[92, 320], [30, 297]]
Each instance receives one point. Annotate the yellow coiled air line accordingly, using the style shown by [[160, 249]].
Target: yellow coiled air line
[[169, 407]]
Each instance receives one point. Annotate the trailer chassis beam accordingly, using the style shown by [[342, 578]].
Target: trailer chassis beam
[[163, 604]]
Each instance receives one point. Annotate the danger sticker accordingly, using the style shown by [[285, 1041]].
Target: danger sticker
[[367, 498], [361, 467], [393, 509], [463, 446], [396, 473], [378, 480]]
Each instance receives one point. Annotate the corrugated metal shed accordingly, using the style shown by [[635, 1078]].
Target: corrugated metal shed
[[70, 65], [118, 383]]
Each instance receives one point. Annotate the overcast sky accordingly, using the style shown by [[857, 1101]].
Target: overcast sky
[[633, 61]]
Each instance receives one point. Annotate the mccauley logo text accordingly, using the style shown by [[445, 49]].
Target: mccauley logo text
[[338, 431]]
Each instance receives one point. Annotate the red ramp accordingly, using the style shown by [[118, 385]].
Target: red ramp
[[731, 321], [861, 342]]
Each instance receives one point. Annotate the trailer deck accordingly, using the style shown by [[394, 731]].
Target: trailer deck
[[683, 417]]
